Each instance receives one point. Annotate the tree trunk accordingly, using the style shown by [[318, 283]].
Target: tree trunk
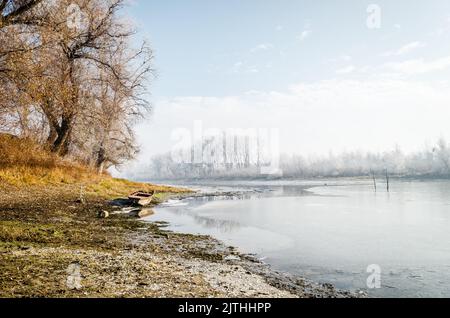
[[52, 135], [101, 159], [61, 144]]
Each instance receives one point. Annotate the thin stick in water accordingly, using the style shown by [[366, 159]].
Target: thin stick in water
[[387, 181], [374, 181]]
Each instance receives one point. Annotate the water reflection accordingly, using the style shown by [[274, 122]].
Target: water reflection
[[332, 233], [228, 226], [223, 225]]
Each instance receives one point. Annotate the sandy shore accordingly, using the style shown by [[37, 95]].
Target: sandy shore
[[52, 246]]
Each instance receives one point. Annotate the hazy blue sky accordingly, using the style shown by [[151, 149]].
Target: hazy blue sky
[[313, 69], [228, 47]]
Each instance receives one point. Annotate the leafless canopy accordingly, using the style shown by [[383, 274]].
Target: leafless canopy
[[70, 78]]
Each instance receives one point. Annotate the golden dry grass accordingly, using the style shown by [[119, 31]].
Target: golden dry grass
[[15, 151], [23, 163], [109, 187]]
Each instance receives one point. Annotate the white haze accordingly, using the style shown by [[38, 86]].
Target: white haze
[[315, 118]]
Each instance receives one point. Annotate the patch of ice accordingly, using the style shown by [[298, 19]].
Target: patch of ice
[[173, 203]]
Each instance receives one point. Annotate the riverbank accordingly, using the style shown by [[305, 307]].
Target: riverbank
[[52, 244]]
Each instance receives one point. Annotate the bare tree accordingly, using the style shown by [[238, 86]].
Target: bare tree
[[73, 83], [117, 106]]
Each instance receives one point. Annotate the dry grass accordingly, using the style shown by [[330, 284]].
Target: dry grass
[[44, 228], [24, 232], [15, 151], [23, 163], [108, 188]]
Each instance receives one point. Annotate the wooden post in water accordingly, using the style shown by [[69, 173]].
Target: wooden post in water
[[387, 181], [374, 180]]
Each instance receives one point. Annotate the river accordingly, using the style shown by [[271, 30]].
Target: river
[[332, 231]]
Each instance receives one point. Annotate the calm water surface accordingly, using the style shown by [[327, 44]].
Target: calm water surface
[[333, 233]]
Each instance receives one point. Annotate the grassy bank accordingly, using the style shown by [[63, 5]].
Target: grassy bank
[[44, 228], [46, 232], [49, 238]]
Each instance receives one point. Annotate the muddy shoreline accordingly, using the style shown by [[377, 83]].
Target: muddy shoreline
[[46, 233], [293, 284]]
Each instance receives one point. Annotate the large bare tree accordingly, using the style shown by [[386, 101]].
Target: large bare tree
[[70, 78]]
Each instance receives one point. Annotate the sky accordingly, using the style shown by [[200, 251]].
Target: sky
[[329, 75]]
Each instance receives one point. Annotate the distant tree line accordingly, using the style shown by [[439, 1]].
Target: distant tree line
[[431, 162], [71, 78]]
